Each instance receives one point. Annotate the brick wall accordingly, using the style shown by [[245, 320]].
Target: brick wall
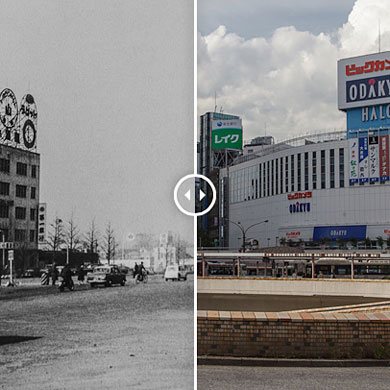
[[299, 335]]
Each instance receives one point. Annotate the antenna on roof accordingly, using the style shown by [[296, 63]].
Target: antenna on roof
[[215, 101], [221, 110], [379, 35]]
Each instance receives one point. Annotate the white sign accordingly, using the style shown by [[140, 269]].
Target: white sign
[[6, 245], [363, 81], [373, 158], [11, 255]]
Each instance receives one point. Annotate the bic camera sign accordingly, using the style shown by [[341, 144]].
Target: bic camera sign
[[227, 135]]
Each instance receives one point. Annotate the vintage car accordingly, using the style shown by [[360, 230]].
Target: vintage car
[[106, 275], [175, 272]]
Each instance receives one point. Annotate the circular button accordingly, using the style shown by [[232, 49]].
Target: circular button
[[192, 197]]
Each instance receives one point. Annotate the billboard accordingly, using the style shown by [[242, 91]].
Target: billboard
[[363, 160], [353, 161], [336, 232], [226, 134], [384, 157], [373, 158], [42, 225], [363, 81]]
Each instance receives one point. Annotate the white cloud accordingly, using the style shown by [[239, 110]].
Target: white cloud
[[288, 81]]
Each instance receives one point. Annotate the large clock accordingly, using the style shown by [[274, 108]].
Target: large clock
[[29, 134], [8, 108]]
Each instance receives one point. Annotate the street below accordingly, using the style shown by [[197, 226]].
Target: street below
[[304, 378], [136, 336]]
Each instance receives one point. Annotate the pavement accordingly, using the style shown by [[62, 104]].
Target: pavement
[[136, 336], [287, 378]]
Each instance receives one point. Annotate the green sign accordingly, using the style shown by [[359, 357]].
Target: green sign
[[226, 139]]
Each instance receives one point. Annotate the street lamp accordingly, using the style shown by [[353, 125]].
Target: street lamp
[[244, 231]]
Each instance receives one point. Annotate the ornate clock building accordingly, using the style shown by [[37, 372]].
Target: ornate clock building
[[19, 177]]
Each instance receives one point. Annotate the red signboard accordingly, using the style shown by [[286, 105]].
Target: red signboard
[[299, 195]]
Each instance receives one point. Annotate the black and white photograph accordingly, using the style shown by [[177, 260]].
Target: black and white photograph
[[96, 129]]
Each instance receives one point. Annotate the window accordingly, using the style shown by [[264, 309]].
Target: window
[[33, 214], [323, 182], [281, 175], [33, 190], [21, 169], [32, 235], [260, 179], [268, 181], [292, 177], [4, 188], [341, 167], [331, 166], [21, 191], [299, 172], [20, 235], [286, 172], [4, 165], [272, 176], [306, 171], [314, 167], [20, 212], [4, 211], [33, 171], [277, 176]]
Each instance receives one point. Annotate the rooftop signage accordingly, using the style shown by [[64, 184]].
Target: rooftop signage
[[363, 81], [18, 125], [226, 134]]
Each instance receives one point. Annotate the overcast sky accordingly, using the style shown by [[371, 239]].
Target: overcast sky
[[274, 62], [113, 84]]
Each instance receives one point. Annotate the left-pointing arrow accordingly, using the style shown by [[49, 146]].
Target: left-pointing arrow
[[188, 194]]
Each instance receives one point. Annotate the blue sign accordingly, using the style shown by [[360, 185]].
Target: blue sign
[[336, 232], [299, 207], [372, 117], [368, 89]]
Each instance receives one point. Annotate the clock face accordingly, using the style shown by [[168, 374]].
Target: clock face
[[29, 134], [8, 108]]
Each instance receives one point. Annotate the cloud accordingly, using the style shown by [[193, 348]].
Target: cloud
[[287, 82]]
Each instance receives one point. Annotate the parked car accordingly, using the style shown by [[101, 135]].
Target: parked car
[[183, 272], [106, 275]]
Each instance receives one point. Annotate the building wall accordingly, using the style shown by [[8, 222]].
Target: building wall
[[258, 192], [14, 200], [294, 335]]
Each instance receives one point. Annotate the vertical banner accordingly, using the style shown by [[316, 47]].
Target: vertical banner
[[363, 159], [384, 157], [353, 161], [373, 158]]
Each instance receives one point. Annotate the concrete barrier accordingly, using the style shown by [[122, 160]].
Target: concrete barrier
[[297, 287]]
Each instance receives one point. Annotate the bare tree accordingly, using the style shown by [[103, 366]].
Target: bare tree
[[72, 235], [56, 235], [109, 244], [91, 238]]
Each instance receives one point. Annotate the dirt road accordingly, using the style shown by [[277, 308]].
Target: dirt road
[[120, 337]]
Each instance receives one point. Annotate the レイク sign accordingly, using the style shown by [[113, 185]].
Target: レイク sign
[[226, 134]]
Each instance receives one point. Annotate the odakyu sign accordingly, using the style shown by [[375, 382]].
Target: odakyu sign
[[226, 134], [336, 232], [299, 208], [364, 81]]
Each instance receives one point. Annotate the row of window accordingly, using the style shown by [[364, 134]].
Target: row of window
[[20, 190], [21, 168], [287, 174], [20, 212], [20, 235]]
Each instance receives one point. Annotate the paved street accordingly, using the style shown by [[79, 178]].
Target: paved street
[[272, 378], [137, 336]]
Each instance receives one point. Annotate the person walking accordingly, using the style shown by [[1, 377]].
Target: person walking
[[80, 274], [54, 275], [135, 270]]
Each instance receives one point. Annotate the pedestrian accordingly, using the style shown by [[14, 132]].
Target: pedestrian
[[54, 275], [80, 274], [135, 270]]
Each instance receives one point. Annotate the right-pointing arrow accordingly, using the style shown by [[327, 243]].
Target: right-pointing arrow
[[201, 194]]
